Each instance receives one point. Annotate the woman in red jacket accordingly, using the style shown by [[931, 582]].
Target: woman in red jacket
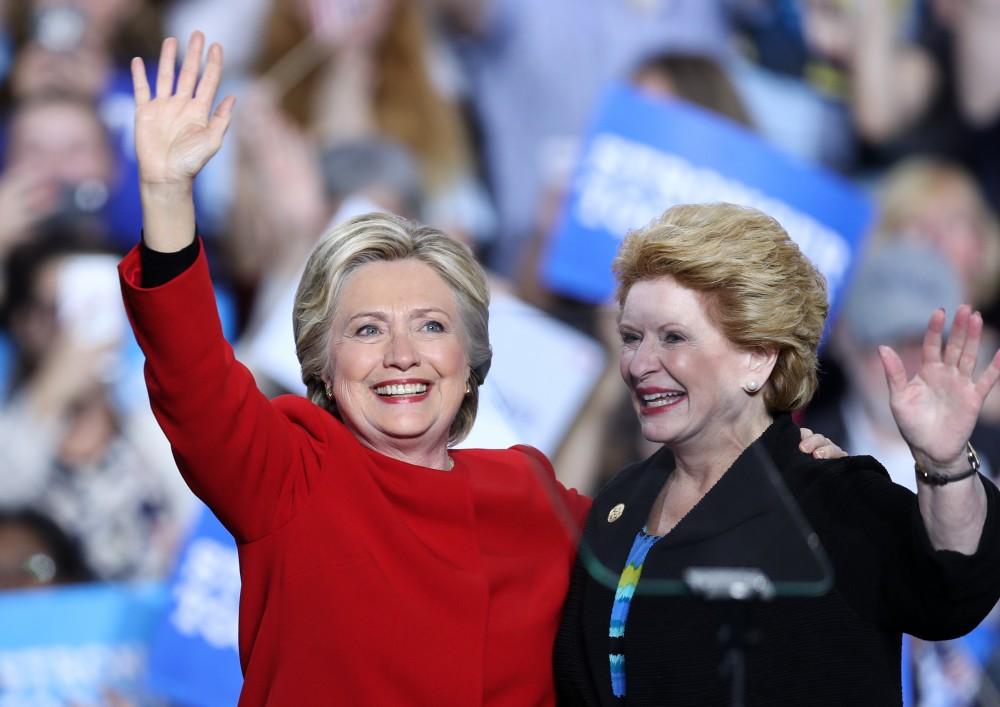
[[378, 566]]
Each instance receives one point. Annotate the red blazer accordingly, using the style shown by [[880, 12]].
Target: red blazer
[[366, 580]]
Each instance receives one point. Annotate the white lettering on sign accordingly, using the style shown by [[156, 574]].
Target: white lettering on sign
[[208, 594], [28, 674], [626, 184]]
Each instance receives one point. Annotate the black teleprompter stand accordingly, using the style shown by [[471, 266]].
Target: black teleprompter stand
[[738, 588]]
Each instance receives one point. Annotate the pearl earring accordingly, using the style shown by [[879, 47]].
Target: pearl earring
[[751, 387]]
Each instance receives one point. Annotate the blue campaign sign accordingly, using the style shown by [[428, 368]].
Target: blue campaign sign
[[194, 658], [644, 155], [76, 645]]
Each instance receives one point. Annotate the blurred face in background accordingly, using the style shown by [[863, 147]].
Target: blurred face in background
[[950, 221], [64, 140], [62, 147]]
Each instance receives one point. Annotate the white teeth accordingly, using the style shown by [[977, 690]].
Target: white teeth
[[661, 402], [402, 389], [660, 397]]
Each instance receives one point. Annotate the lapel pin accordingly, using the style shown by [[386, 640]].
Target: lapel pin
[[616, 512]]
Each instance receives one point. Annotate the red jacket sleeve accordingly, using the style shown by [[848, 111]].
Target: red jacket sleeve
[[253, 462], [571, 505]]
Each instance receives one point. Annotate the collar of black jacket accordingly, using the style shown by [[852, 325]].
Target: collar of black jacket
[[738, 522]]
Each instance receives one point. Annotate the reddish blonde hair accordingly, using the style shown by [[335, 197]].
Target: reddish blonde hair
[[759, 289]]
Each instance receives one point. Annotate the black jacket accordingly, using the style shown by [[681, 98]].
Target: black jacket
[[841, 648]]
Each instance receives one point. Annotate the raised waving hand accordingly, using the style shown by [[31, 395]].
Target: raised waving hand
[[176, 133], [936, 411]]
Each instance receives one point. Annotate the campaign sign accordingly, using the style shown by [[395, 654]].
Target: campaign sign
[[543, 371], [79, 645], [193, 656], [645, 154]]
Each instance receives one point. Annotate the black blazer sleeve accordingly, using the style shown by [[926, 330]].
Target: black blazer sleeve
[[928, 593]]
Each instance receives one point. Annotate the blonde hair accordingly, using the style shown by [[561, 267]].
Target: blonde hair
[[377, 237], [758, 287], [911, 184]]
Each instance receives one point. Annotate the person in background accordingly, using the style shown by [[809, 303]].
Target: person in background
[[906, 281], [35, 552], [76, 46], [104, 475], [694, 78], [81, 48], [279, 202], [936, 202], [334, 73], [59, 167], [531, 109], [925, 86], [368, 72]]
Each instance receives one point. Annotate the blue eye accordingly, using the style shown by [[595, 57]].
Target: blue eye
[[629, 337], [367, 330], [434, 327], [672, 337]]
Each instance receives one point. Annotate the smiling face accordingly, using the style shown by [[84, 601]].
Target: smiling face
[[398, 365], [685, 376]]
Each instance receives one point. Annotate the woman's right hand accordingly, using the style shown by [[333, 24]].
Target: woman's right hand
[[176, 133]]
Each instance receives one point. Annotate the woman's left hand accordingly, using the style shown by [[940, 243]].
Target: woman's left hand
[[937, 409], [818, 446]]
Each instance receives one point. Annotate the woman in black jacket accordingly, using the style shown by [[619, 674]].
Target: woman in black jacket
[[721, 316]]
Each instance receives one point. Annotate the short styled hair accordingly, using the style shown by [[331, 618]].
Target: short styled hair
[[757, 286], [379, 237]]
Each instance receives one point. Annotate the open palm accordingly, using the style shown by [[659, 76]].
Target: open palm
[[937, 409], [177, 132]]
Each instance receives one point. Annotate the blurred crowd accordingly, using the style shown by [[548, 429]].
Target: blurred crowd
[[466, 114]]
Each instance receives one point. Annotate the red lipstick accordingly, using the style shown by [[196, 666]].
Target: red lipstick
[[668, 399]]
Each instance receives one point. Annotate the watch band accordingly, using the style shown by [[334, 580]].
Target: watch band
[[935, 479]]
